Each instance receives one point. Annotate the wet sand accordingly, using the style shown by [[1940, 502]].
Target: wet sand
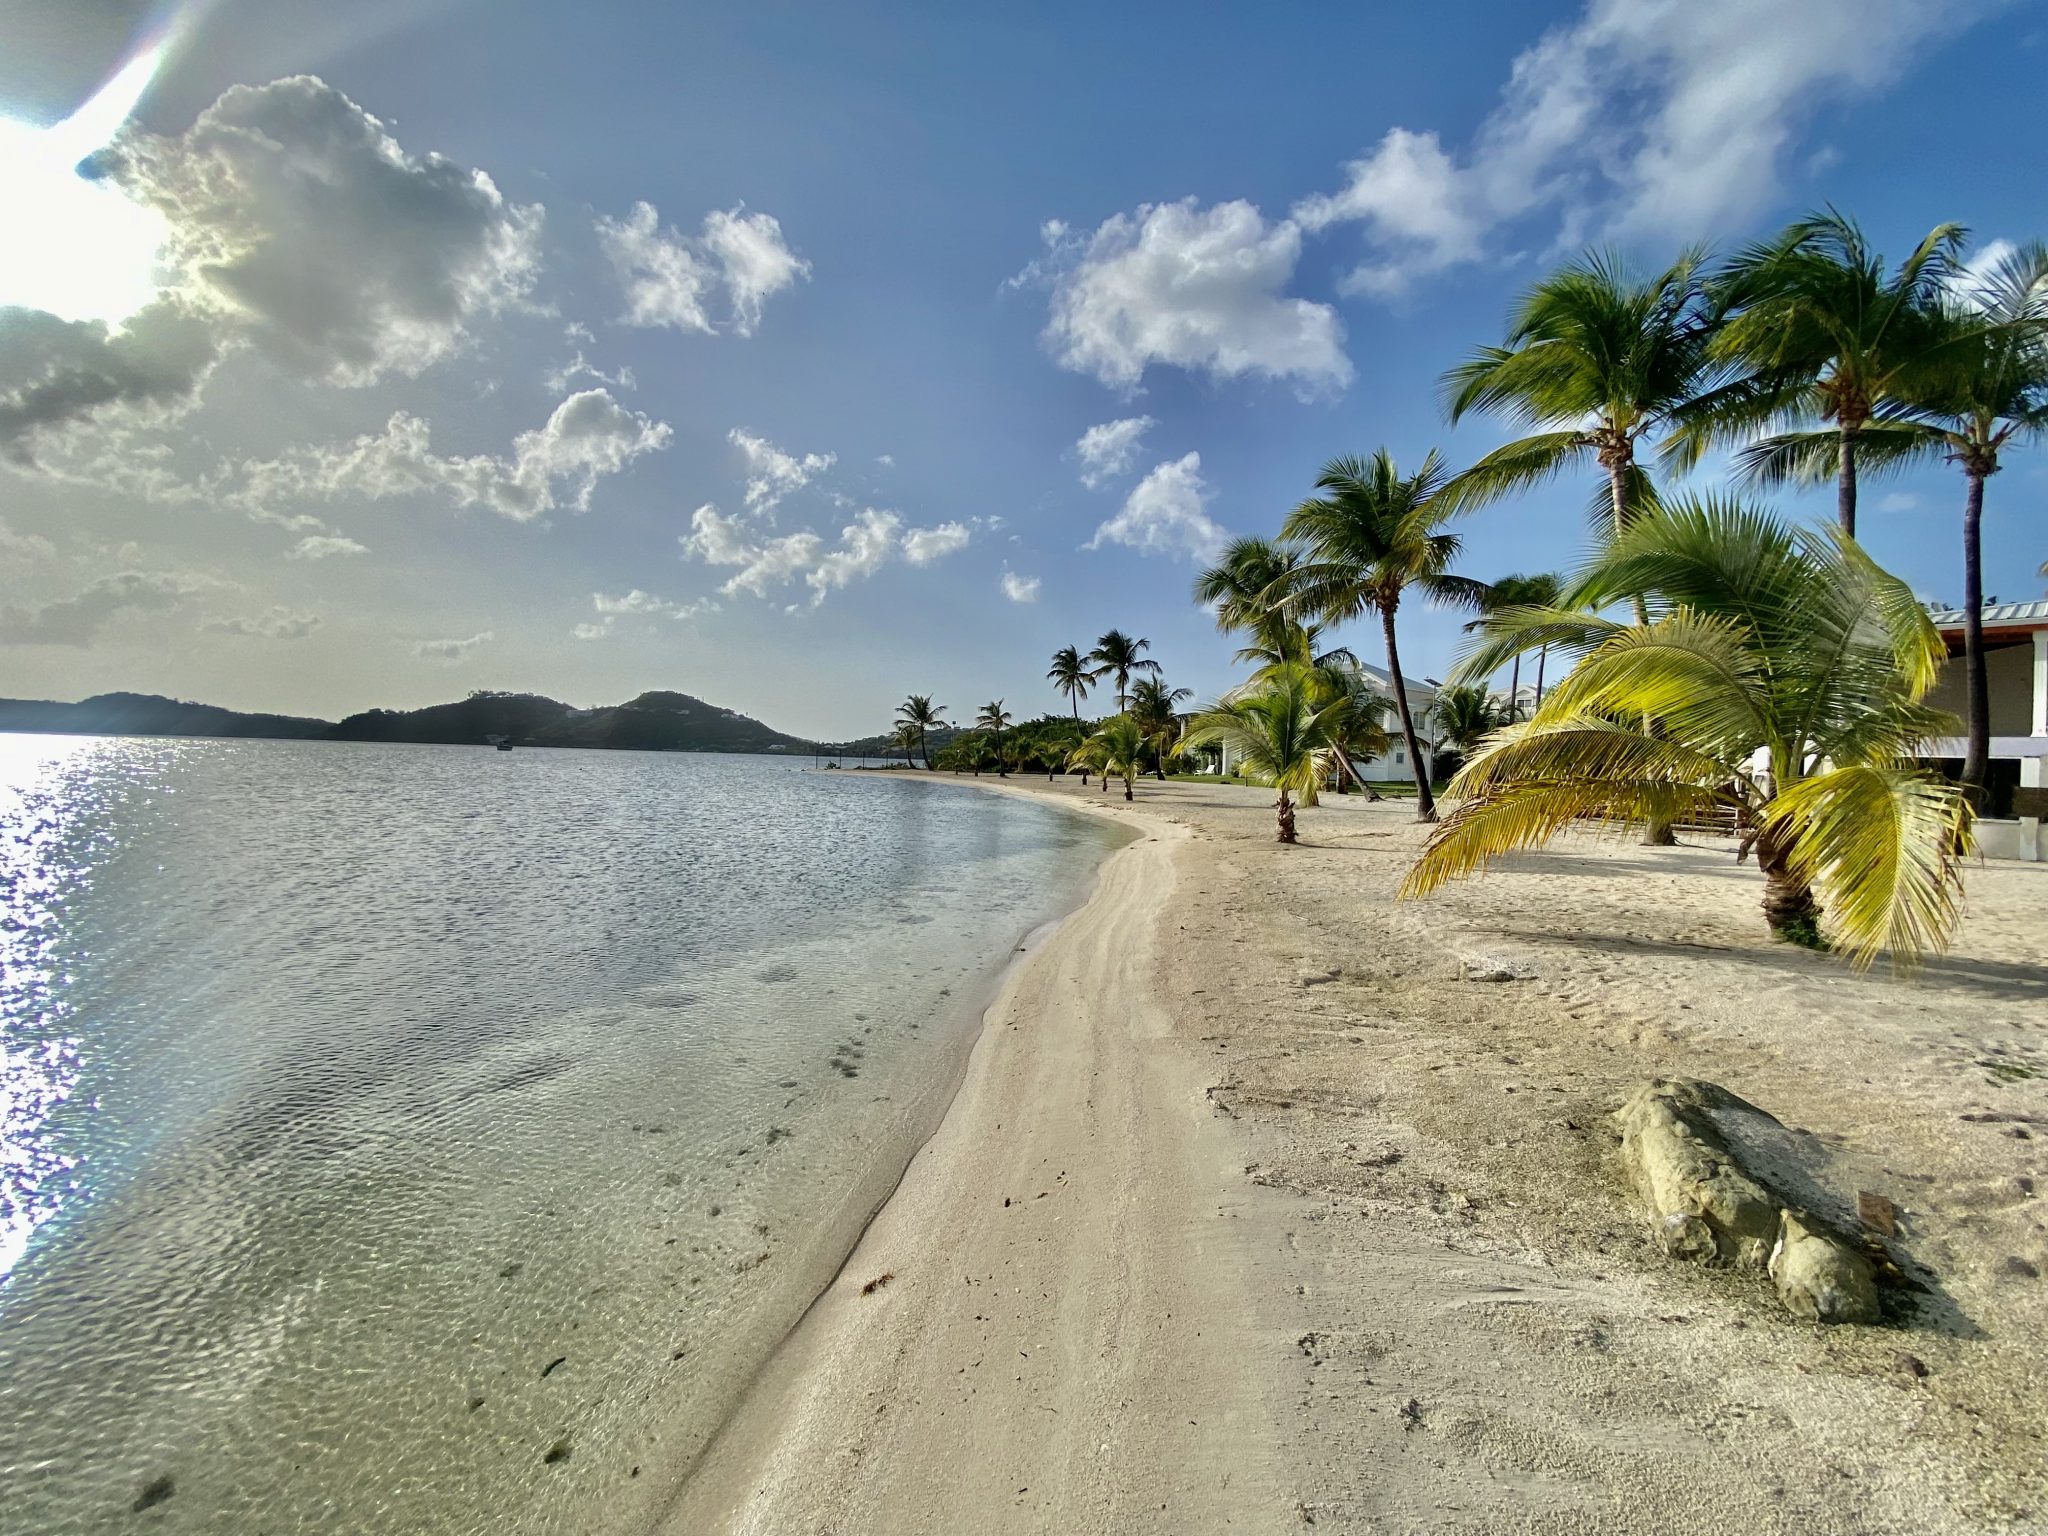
[[1257, 1211]]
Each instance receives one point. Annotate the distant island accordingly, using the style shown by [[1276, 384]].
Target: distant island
[[658, 721]]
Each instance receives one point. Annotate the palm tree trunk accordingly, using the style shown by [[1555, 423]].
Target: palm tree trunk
[[1286, 818], [1515, 688], [1845, 484], [1542, 655], [1425, 802], [1128, 781], [1617, 499], [1789, 907], [1977, 754]]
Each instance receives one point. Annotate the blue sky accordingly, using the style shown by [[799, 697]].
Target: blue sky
[[345, 458]]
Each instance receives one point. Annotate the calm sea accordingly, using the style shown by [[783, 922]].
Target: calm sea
[[426, 1139]]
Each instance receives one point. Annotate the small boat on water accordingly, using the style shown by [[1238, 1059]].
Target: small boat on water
[[502, 743]]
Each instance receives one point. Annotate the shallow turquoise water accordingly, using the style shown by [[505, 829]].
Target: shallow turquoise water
[[380, 1122]]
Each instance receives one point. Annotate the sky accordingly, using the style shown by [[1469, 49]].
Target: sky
[[801, 357]]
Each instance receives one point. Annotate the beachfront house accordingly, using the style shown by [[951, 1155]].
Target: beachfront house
[[2016, 670]]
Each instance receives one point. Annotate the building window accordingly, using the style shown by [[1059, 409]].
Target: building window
[[1398, 759]]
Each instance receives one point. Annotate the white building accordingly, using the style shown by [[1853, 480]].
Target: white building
[[1394, 763], [2016, 669]]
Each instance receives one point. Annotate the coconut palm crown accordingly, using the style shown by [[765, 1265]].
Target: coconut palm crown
[[1787, 673], [1070, 674], [1372, 536], [921, 715], [1285, 726], [1117, 655]]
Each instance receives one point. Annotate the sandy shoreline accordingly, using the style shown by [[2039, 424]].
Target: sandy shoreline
[[1305, 1228]]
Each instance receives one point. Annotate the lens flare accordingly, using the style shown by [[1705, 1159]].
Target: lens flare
[[80, 248]]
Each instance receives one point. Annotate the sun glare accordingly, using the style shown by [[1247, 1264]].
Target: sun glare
[[76, 246]]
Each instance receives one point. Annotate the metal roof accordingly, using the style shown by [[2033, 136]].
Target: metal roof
[[1996, 615]]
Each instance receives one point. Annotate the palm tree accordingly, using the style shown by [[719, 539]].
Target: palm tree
[[1071, 676], [921, 715], [1359, 729], [1284, 727], [1116, 655], [1463, 717], [1516, 592], [1788, 672], [1153, 707], [1116, 747], [1371, 536], [995, 719], [905, 741], [1988, 392], [1596, 361], [1820, 330]]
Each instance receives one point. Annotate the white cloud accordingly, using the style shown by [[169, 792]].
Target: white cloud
[[451, 650], [1657, 118], [1019, 589], [1110, 448], [672, 279], [921, 546], [580, 368], [79, 619], [595, 631], [278, 623], [773, 474], [1900, 501], [587, 437], [321, 546], [1188, 287], [295, 224], [886, 460], [1166, 513], [24, 546], [870, 541], [635, 604]]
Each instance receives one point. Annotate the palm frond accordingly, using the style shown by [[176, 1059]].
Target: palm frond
[[1884, 844]]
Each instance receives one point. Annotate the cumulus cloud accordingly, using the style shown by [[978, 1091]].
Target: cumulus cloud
[[672, 279], [1019, 589], [80, 618], [451, 650], [1641, 117], [1166, 514], [324, 546], [295, 224], [921, 546], [24, 546], [1189, 287], [278, 623], [773, 474], [580, 368], [864, 546], [635, 604], [587, 437], [1110, 448]]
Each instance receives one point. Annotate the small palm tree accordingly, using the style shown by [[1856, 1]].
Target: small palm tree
[[1359, 729], [1284, 725], [1153, 706], [1116, 748], [1463, 716], [905, 740], [1071, 676], [922, 716], [1821, 331], [1372, 536], [1988, 393], [995, 720], [1116, 655], [1787, 672], [1597, 360], [1512, 592]]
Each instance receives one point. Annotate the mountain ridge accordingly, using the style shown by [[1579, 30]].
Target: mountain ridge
[[658, 720]]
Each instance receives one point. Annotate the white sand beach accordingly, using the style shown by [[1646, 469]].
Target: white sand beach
[[1256, 1212]]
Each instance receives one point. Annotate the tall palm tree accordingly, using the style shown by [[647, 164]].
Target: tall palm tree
[[1988, 391], [1153, 706], [1116, 655], [1284, 727], [1372, 536], [1115, 748], [995, 719], [1071, 676], [1788, 672], [922, 716], [1821, 330], [1597, 360]]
